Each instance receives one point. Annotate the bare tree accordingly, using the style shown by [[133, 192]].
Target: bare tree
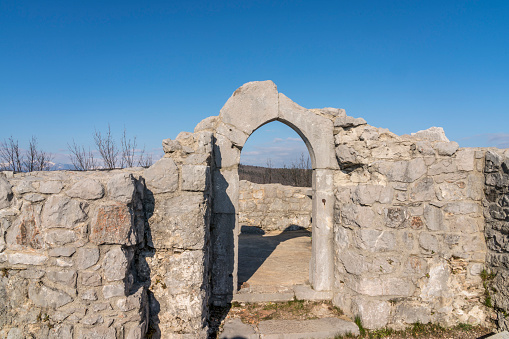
[[267, 174], [35, 159], [11, 156], [145, 160], [107, 148], [128, 150], [81, 159]]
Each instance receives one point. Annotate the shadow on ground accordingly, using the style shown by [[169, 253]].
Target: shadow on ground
[[255, 247]]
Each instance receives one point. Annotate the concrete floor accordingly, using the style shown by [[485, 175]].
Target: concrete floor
[[273, 262]]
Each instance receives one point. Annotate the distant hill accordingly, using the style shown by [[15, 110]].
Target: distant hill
[[300, 177]]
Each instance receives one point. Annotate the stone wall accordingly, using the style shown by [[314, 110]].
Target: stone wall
[[107, 254], [274, 206], [409, 239], [496, 212]]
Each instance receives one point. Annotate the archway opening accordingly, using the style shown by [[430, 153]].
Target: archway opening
[[275, 212]]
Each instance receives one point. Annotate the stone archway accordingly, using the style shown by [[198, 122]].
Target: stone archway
[[250, 107]]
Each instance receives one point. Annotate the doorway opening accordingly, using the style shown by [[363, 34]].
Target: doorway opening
[[275, 214]]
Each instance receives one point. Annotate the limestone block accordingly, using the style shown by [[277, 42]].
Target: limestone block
[[62, 211], [24, 186], [64, 277], [115, 264], [180, 222], [27, 258], [111, 291], [396, 286], [411, 313], [34, 197], [369, 194], [443, 166], [208, 123], [423, 190], [251, 105], [87, 188], [90, 278], [170, 146], [373, 313], [446, 148], [403, 171], [59, 237], [354, 263], [436, 286], [465, 159], [86, 257], [62, 251], [416, 266], [62, 331], [44, 296], [225, 191], [113, 223], [225, 153], [376, 241], [162, 177], [429, 242], [425, 148], [223, 241], [462, 207], [452, 190], [434, 218], [195, 177], [50, 186], [432, 134], [361, 216], [396, 217], [26, 230], [347, 156], [97, 332], [121, 187], [348, 121], [237, 137]]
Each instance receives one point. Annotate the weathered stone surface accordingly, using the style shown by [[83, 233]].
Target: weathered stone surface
[[432, 134], [87, 188], [110, 291], [180, 222], [27, 258], [434, 218], [208, 123], [44, 296], [225, 190], [86, 257], [258, 101], [115, 264], [374, 314], [429, 242], [424, 190], [404, 171], [446, 148], [113, 223], [348, 121], [59, 237], [97, 332], [26, 229], [34, 197], [64, 277], [376, 241], [409, 313], [195, 178], [62, 211], [51, 187], [121, 187], [162, 177], [396, 217], [90, 278], [62, 251]]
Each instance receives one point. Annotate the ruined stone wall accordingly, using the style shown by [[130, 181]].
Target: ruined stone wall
[[496, 211], [110, 254], [274, 206], [68, 247], [409, 227]]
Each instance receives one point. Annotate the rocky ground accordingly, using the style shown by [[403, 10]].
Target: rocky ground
[[302, 310]]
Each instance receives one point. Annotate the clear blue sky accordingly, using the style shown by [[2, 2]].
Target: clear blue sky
[[159, 67]]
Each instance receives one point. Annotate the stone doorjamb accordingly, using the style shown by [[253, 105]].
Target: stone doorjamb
[[250, 107]]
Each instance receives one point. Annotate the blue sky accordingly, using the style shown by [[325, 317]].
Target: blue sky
[[159, 67]]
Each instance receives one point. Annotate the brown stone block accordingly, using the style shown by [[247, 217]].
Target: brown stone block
[[113, 224]]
